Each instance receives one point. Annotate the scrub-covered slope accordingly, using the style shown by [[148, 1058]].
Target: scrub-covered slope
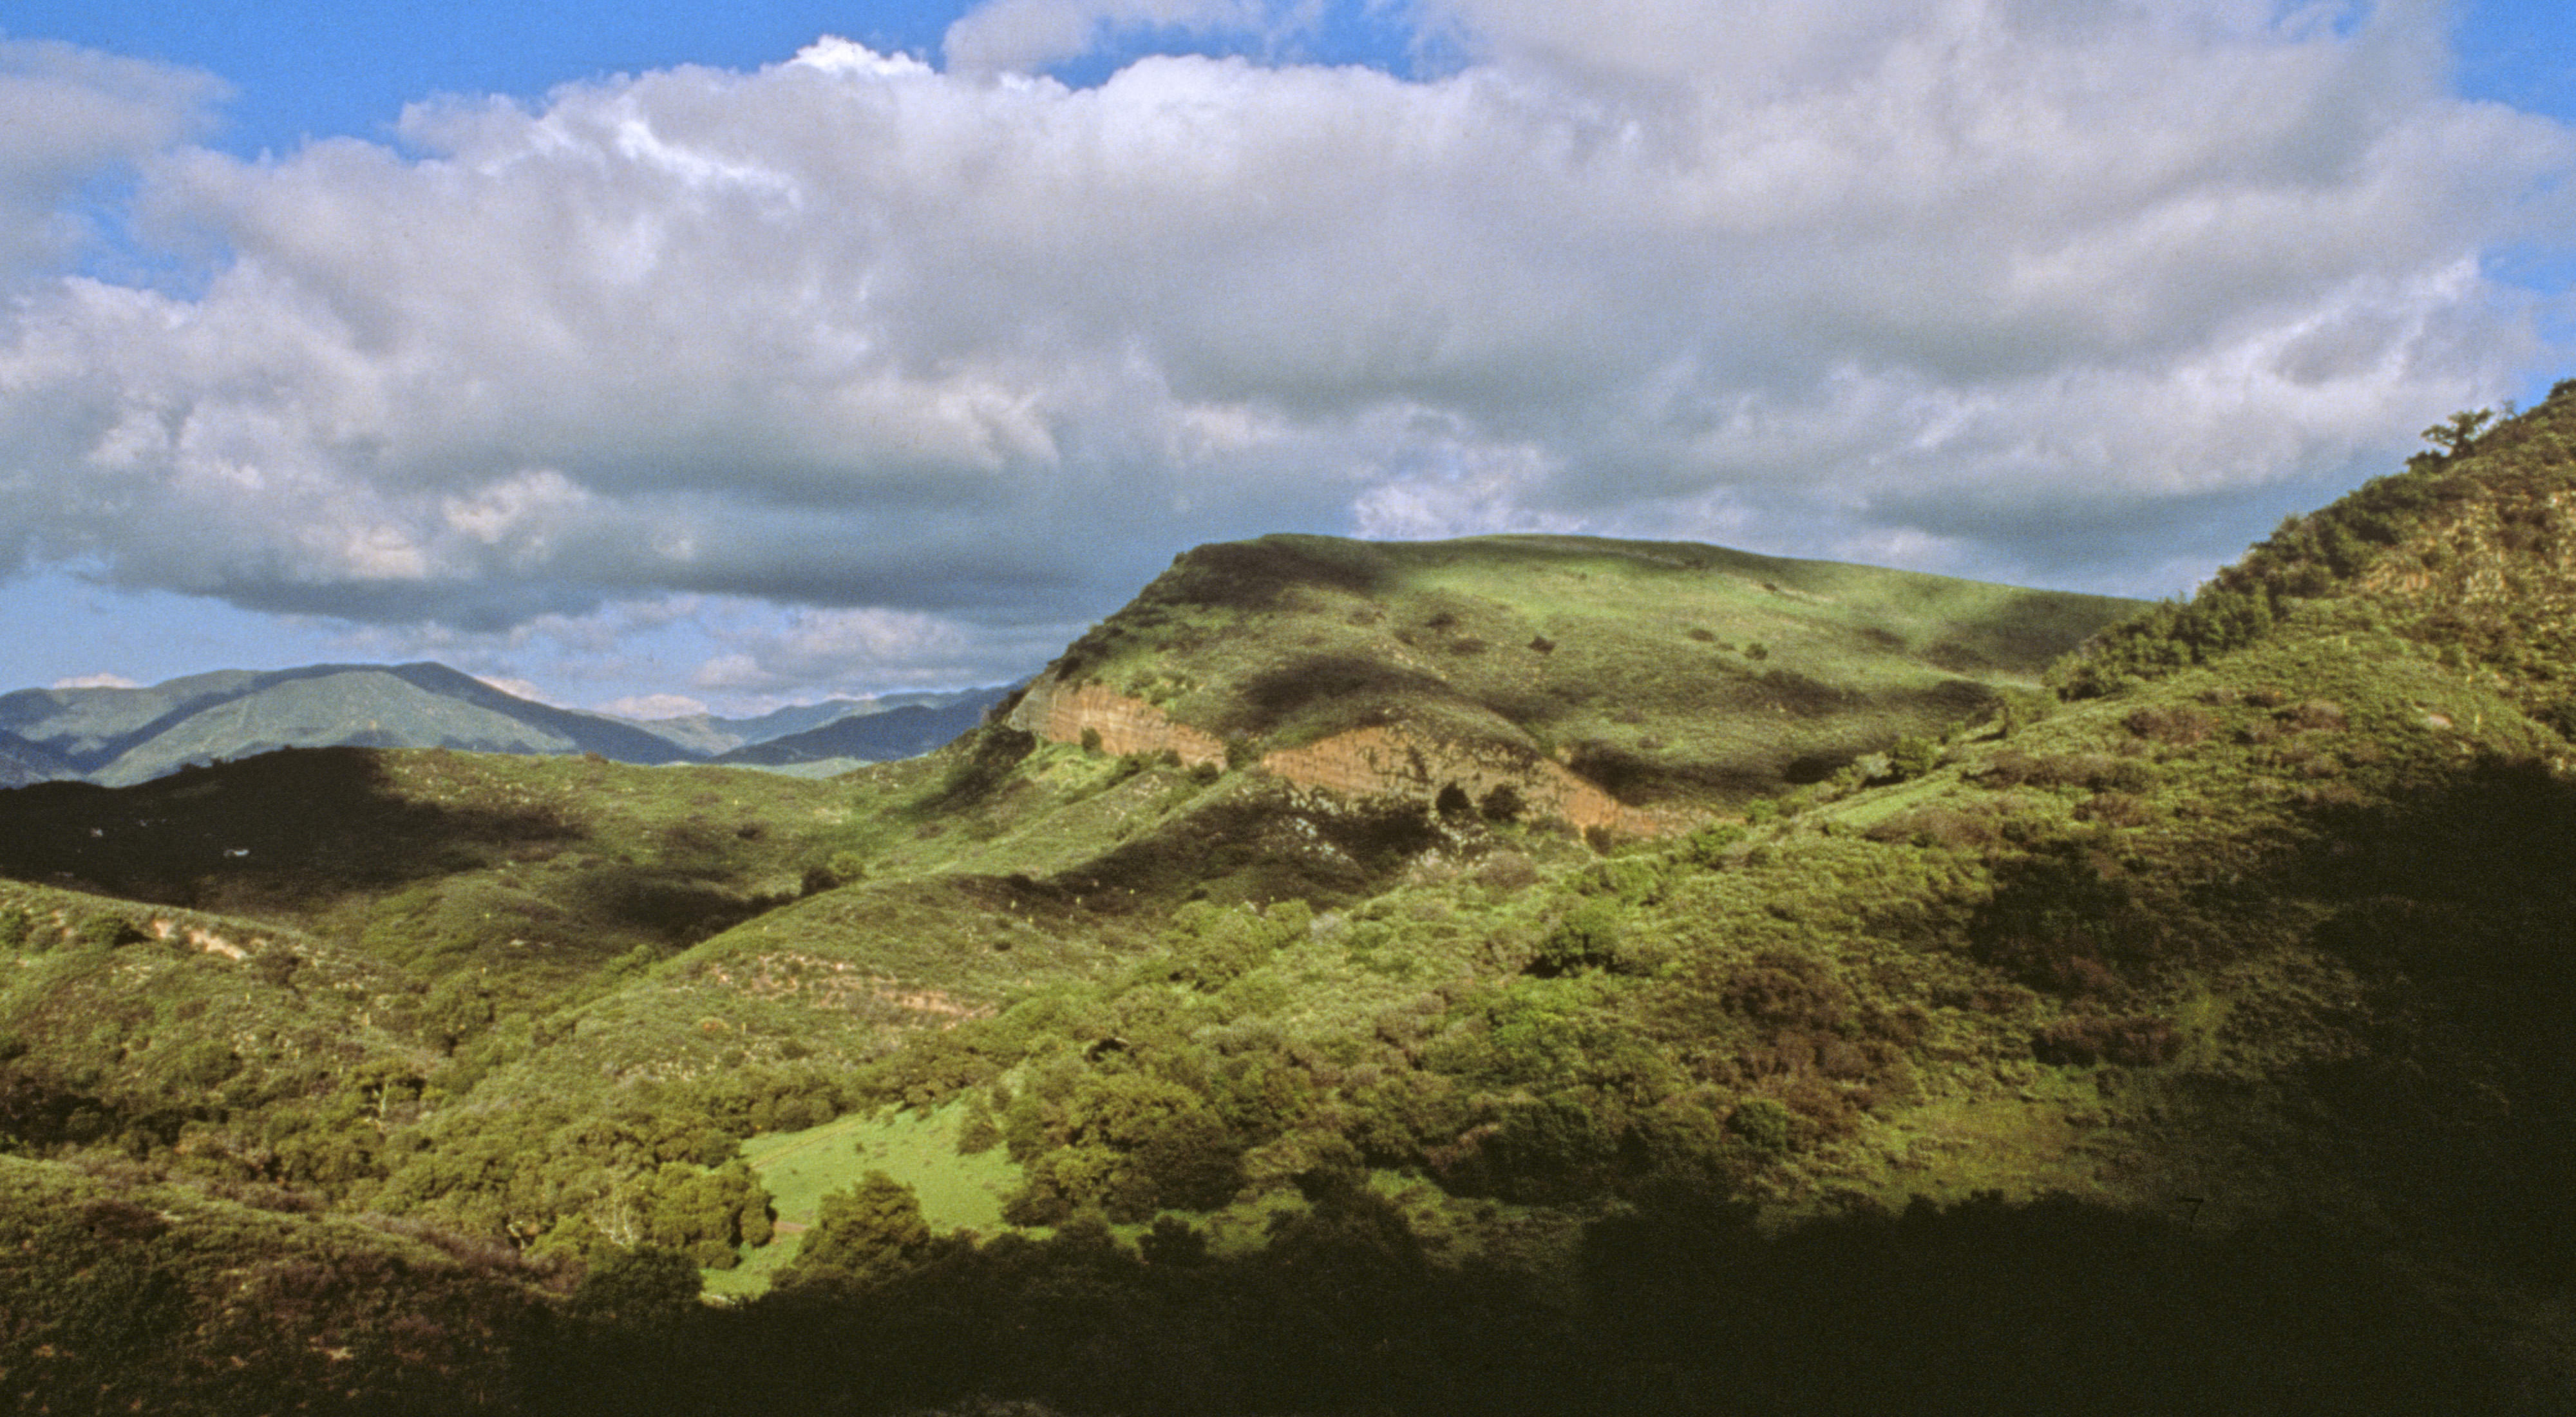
[[2186, 1040]]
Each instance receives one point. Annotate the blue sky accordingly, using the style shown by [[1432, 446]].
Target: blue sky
[[303, 70], [758, 380]]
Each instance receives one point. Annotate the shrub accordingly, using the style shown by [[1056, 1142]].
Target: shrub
[[844, 868], [2178, 724], [1938, 826], [1507, 871], [2115, 809], [1586, 939], [1708, 845], [1786, 991], [1913, 757], [1762, 1123], [2314, 715], [2133, 1041], [107, 932], [1548, 1148], [644, 1287], [2020, 708]]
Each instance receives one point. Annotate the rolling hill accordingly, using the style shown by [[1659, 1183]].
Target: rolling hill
[[900, 731], [1828, 1017], [1659, 674], [120, 737]]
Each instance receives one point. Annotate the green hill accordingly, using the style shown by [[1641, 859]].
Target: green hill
[[2185, 1040], [120, 737], [1662, 673], [901, 731]]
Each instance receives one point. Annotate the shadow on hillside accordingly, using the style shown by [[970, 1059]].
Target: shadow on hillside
[[2456, 906], [2026, 633], [1355, 689], [2448, 1090], [294, 828], [1257, 848], [1254, 575], [2055, 1307]]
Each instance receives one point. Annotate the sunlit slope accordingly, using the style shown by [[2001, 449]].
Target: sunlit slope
[[119, 737], [1662, 672], [2250, 941], [440, 859]]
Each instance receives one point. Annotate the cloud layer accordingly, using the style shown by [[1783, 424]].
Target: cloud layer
[[946, 360]]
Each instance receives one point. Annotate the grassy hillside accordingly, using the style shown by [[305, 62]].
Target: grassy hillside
[[119, 737], [364, 709], [2185, 1040], [1661, 671]]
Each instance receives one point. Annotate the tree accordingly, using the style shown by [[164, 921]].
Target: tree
[[1914, 756], [862, 1236], [2455, 434], [639, 1286]]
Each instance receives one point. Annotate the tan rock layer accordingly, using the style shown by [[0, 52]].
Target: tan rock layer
[[1366, 762], [1125, 724], [1390, 762]]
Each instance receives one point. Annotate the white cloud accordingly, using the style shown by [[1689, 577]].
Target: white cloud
[[953, 362], [520, 688], [1027, 36], [845, 649], [649, 707], [96, 681], [69, 117]]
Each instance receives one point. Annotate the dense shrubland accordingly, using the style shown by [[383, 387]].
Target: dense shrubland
[[2190, 1041]]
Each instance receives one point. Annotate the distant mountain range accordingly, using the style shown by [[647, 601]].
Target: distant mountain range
[[119, 737]]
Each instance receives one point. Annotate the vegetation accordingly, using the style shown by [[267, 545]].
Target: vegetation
[[1663, 672], [2193, 1041]]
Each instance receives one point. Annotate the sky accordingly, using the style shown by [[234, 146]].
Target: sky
[[727, 355]]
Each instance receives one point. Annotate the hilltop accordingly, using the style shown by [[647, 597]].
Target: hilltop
[[2184, 1036], [1630, 684]]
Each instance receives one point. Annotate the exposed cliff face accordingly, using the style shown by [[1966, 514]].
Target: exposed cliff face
[[1124, 724], [1368, 762]]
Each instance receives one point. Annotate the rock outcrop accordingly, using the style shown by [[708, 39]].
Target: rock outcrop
[[1121, 723], [1498, 779]]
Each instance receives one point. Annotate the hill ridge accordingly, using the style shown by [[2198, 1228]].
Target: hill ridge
[[2198, 1032], [1583, 673]]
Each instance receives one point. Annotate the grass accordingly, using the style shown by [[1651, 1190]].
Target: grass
[[1666, 671], [800, 1168], [2274, 931]]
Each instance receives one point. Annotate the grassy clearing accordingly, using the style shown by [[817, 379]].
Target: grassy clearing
[[918, 1149]]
